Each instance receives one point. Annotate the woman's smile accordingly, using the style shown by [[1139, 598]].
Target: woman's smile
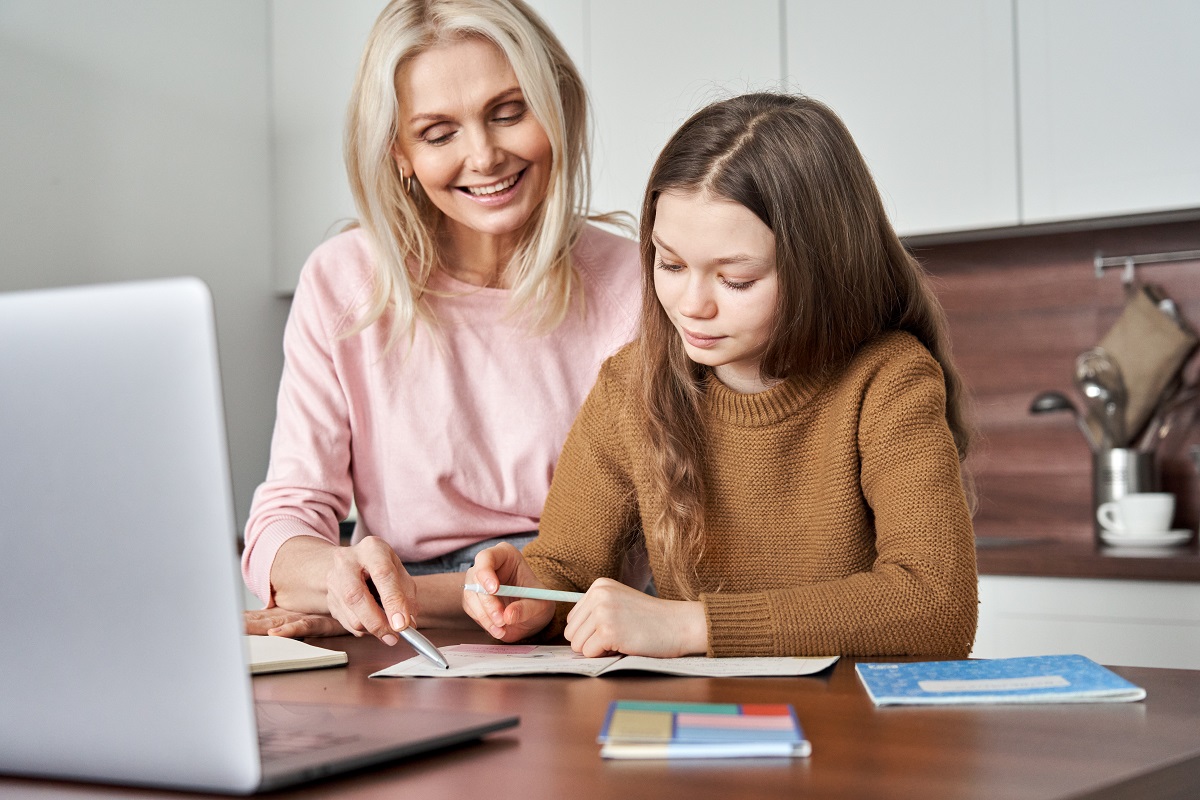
[[496, 193]]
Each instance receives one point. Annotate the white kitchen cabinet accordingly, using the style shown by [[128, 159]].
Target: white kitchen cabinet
[[1117, 622], [926, 89], [651, 64], [1109, 107]]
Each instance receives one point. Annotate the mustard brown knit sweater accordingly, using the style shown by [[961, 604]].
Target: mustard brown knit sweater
[[836, 519]]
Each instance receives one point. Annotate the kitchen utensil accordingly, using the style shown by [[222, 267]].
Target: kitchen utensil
[[1099, 380], [1050, 402], [1167, 415]]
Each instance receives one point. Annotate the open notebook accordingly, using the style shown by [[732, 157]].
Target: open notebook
[[482, 660], [281, 654], [118, 528]]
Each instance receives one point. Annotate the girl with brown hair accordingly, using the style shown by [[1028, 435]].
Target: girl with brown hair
[[786, 433]]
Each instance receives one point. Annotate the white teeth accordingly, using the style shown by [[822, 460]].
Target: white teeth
[[480, 191]]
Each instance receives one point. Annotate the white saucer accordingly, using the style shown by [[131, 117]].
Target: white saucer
[[1156, 539]]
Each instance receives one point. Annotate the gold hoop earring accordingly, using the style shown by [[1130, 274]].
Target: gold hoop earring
[[407, 183]]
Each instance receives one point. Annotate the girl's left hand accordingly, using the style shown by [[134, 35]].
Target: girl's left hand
[[614, 618]]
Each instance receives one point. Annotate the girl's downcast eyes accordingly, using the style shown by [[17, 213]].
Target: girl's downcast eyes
[[736, 286]]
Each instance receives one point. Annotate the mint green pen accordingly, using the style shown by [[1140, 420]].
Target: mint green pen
[[528, 593]]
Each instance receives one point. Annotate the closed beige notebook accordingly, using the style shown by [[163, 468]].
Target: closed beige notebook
[[280, 654]]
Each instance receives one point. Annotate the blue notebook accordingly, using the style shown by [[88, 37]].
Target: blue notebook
[[1032, 679], [654, 730]]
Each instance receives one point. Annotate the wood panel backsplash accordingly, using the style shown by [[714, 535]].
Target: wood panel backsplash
[[1021, 309]]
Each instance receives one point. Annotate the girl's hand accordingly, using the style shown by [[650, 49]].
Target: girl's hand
[[614, 618], [276, 621], [505, 618]]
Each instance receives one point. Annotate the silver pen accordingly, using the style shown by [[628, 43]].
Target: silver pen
[[414, 637], [424, 646]]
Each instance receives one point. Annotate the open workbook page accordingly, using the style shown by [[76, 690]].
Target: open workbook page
[[482, 660]]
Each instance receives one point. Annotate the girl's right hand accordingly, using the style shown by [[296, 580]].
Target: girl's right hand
[[507, 619]]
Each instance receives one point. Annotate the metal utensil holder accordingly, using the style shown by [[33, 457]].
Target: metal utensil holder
[[1119, 471]]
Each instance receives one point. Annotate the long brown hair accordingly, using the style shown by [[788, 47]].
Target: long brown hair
[[844, 278]]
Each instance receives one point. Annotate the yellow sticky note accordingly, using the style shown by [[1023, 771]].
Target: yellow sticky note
[[641, 725]]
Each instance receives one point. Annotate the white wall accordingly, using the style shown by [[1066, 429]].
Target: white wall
[[315, 48], [134, 143]]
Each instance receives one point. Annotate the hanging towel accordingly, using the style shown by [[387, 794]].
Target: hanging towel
[[1150, 348]]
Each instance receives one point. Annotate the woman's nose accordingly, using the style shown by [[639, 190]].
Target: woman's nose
[[484, 154]]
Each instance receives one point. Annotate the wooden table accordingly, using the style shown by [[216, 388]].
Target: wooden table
[[1143, 750]]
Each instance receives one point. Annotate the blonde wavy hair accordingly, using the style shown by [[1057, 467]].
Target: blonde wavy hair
[[402, 226]]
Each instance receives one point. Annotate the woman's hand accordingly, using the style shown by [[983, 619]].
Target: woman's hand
[[369, 591], [506, 619], [278, 621], [614, 618]]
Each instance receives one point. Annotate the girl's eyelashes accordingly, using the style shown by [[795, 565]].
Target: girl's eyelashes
[[737, 286]]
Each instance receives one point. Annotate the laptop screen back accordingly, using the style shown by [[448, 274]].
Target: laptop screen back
[[119, 578]]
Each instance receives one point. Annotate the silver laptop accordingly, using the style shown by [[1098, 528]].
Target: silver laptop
[[122, 658]]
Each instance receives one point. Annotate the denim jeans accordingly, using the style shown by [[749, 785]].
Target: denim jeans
[[464, 558]]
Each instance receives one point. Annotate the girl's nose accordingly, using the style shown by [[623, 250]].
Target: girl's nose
[[697, 300]]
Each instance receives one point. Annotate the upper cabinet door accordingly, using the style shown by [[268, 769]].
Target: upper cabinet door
[[1110, 107], [651, 65], [926, 89]]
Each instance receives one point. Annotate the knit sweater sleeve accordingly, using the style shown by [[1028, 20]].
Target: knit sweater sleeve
[[919, 596], [308, 485], [590, 518]]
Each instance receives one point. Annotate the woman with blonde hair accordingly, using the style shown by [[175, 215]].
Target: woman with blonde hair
[[437, 352], [787, 430]]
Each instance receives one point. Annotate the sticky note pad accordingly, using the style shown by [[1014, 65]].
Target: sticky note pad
[[640, 729], [645, 726]]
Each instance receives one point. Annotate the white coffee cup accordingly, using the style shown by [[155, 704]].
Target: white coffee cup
[[1142, 513]]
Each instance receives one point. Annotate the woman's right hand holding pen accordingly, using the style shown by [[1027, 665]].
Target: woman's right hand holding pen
[[364, 587], [504, 618]]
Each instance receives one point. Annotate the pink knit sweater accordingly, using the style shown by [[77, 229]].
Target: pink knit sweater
[[443, 444]]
